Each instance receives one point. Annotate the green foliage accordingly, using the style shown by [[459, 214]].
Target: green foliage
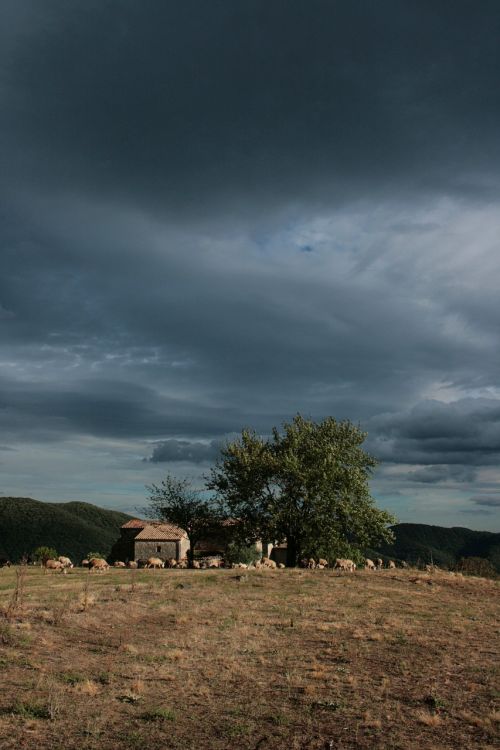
[[72, 528], [434, 702], [90, 555], [42, 554], [176, 501], [307, 485], [331, 552], [31, 710], [8, 636], [236, 552], [159, 714]]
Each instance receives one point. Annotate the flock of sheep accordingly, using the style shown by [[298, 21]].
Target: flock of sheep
[[98, 564], [349, 566]]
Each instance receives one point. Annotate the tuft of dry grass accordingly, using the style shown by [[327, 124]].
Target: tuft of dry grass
[[430, 720], [88, 687], [15, 604], [370, 722], [129, 648]]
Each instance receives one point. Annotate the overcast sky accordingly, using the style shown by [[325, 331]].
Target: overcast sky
[[218, 214]]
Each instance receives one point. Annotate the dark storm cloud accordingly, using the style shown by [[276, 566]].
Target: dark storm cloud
[[222, 339], [195, 452], [490, 502], [168, 103], [103, 409], [436, 474], [463, 433]]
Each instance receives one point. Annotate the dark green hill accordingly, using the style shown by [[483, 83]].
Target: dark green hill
[[73, 529], [418, 542]]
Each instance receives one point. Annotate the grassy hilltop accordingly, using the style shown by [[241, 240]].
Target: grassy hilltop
[[215, 660], [73, 529]]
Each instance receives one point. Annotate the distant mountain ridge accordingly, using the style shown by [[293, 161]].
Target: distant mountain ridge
[[73, 529], [444, 546]]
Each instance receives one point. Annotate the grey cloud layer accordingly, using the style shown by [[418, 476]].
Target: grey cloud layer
[[174, 451], [214, 215], [463, 433], [443, 473], [489, 502], [167, 104]]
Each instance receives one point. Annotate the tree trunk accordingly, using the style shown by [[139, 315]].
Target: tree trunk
[[190, 553], [292, 551]]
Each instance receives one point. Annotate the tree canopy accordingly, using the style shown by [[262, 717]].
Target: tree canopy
[[307, 485], [176, 501]]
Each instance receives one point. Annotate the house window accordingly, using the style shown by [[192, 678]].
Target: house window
[[158, 549]]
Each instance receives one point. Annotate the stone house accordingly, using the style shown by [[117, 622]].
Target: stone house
[[142, 539]]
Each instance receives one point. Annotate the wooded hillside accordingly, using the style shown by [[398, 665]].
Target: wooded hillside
[[73, 528], [416, 542]]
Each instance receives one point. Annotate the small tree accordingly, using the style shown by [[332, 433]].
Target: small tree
[[175, 500], [237, 552], [307, 485], [42, 554]]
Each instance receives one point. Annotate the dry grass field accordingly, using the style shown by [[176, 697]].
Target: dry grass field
[[225, 659]]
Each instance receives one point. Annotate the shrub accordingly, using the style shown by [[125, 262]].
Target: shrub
[[237, 552], [42, 554], [31, 710]]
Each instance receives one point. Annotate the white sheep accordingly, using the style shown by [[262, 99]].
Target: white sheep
[[98, 564], [54, 565]]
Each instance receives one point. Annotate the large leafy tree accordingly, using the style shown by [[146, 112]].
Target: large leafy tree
[[176, 501], [306, 485]]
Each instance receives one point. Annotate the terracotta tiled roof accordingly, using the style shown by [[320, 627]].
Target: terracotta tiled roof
[[167, 532], [230, 522], [135, 523]]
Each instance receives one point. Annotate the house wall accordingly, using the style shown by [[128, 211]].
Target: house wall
[[183, 548], [145, 549]]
